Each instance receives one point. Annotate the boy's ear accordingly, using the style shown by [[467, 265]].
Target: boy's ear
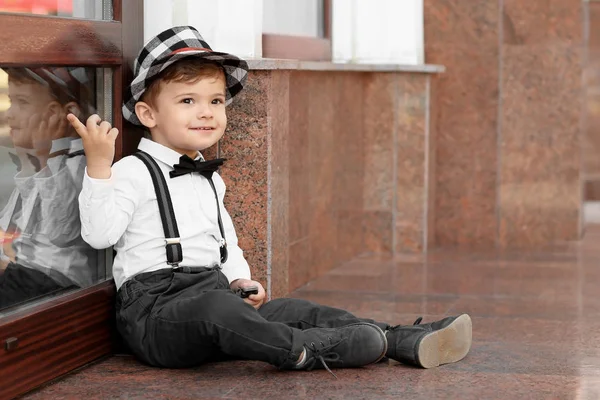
[[145, 114], [54, 108], [73, 108]]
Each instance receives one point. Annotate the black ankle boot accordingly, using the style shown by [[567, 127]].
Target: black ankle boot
[[430, 345], [350, 346]]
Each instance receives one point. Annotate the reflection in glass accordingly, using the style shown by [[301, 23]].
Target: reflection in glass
[[88, 9], [41, 172]]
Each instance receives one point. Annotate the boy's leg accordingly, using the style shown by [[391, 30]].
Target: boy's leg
[[182, 319], [176, 319], [19, 284], [304, 314], [424, 345]]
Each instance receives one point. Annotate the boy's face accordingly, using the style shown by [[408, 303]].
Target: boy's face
[[29, 101], [190, 116]]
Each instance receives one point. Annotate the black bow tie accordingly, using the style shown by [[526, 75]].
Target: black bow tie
[[187, 165]]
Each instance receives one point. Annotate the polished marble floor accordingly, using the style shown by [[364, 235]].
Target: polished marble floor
[[536, 334]]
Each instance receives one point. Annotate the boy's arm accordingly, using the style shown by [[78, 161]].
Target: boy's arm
[[236, 266], [59, 216], [59, 190], [106, 206], [109, 195]]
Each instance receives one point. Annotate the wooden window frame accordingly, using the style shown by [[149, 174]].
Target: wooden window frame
[[69, 331], [301, 47]]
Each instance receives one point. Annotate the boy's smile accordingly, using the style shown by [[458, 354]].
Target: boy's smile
[[188, 117]]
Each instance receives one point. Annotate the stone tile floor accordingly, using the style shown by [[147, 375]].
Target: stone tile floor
[[536, 334]]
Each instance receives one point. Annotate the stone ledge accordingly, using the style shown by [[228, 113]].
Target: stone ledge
[[275, 64]]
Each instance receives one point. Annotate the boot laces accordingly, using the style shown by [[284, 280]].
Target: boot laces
[[417, 322], [324, 353]]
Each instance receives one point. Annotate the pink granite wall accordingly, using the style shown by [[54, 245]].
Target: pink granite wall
[[325, 166], [256, 175], [591, 148], [509, 134]]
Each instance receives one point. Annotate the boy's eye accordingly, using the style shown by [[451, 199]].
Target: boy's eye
[[217, 101], [19, 100], [188, 100]]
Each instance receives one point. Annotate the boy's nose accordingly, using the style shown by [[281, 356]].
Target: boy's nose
[[10, 113], [205, 112]]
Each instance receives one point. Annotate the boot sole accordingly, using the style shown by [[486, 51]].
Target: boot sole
[[448, 345], [385, 344]]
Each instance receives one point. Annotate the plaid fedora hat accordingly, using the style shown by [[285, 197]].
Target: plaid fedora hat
[[173, 45]]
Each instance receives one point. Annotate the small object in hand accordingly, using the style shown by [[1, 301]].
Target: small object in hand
[[245, 292]]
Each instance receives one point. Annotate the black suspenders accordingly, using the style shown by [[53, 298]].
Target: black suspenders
[[167, 215]]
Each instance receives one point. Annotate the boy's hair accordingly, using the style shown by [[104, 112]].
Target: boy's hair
[[20, 76], [80, 91], [189, 70]]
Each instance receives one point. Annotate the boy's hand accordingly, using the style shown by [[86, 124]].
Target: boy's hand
[[255, 300], [51, 127], [98, 143]]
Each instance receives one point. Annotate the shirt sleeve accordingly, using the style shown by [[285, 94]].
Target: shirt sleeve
[[28, 191], [236, 266], [58, 192], [106, 206], [25, 185]]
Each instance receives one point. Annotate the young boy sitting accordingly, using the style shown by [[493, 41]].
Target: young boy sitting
[[178, 268]]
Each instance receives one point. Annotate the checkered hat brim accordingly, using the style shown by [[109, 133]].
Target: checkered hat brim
[[173, 45]]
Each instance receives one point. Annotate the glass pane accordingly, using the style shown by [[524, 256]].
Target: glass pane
[[294, 17], [42, 164], [87, 9]]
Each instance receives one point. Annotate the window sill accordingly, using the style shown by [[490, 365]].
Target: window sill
[[273, 64]]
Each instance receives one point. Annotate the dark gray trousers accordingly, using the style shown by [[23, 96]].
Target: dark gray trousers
[[182, 318], [20, 284]]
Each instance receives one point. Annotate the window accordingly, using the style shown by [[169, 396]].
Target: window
[[378, 32], [88, 9], [299, 29], [56, 294], [42, 254], [344, 31], [297, 18]]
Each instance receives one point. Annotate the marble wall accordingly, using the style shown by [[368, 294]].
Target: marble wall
[[256, 174], [326, 166], [591, 147], [508, 145]]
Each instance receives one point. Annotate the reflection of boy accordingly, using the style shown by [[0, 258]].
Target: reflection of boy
[[163, 211], [43, 250]]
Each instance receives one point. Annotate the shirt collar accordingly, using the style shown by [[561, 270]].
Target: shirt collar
[[60, 144], [65, 143], [75, 145], [162, 153]]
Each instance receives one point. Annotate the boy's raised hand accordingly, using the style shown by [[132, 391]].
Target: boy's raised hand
[[98, 143]]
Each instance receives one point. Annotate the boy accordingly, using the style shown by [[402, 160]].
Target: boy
[[42, 250], [177, 310]]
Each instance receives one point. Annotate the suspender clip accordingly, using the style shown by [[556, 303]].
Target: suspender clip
[[169, 241]]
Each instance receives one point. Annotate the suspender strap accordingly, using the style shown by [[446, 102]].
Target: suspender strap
[[165, 206], [223, 248], [167, 215]]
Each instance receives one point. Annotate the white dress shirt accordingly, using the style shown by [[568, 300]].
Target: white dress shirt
[[122, 211], [48, 221]]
